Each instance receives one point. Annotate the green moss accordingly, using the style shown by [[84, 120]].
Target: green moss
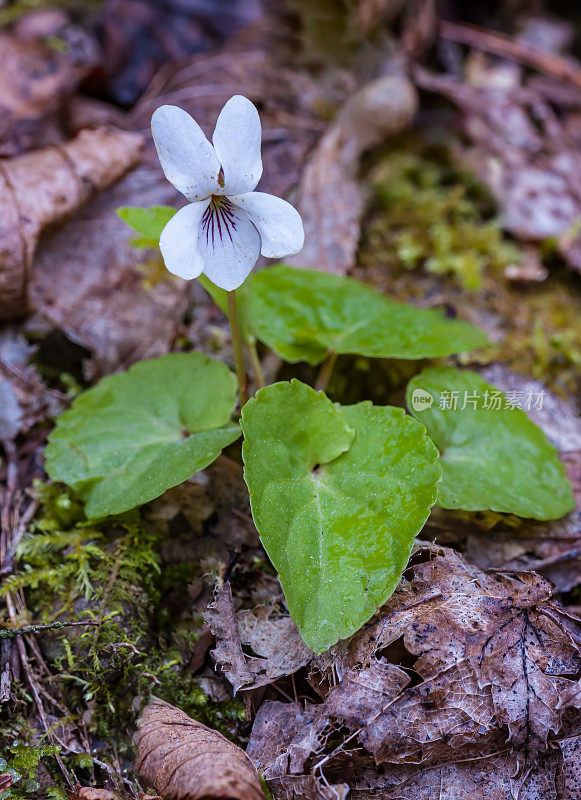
[[543, 335], [110, 572], [324, 28], [22, 762], [431, 236], [20, 8], [433, 215]]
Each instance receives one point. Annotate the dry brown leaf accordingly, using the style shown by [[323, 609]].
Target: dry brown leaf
[[553, 549], [271, 635], [221, 617], [88, 281], [276, 640], [45, 187], [460, 666], [34, 82], [6, 780], [329, 197], [502, 631], [90, 793], [558, 418], [184, 759], [35, 400], [490, 777], [571, 751], [526, 153], [200, 649], [275, 727]]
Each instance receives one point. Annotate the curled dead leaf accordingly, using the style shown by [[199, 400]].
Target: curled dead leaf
[[329, 197], [89, 282], [272, 636], [43, 188], [221, 617], [6, 780], [184, 759], [34, 82]]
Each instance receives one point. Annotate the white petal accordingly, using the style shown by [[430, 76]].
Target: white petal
[[187, 158], [229, 249], [279, 224], [237, 143], [179, 241]]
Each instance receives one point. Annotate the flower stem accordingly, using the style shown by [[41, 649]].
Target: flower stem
[[256, 365], [238, 349], [326, 371]]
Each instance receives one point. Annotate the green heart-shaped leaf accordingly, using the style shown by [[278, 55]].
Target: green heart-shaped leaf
[[302, 314], [493, 456], [132, 436], [338, 495]]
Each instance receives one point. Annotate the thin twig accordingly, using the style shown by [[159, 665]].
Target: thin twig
[[34, 383], [503, 46], [5, 671], [7, 564], [12, 633], [34, 688], [12, 481], [7, 527]]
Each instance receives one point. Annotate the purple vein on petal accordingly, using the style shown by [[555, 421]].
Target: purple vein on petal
[[219, 215]]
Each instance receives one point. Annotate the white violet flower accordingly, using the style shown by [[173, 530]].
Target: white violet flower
[[226, 224]]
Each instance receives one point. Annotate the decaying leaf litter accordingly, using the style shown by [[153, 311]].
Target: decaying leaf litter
[[465, 684]]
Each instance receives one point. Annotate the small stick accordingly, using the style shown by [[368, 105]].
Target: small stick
[[7, 565], [7, 517], [5, 672], [12, 633], [503, 46], [33, 686], [21, 376]]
